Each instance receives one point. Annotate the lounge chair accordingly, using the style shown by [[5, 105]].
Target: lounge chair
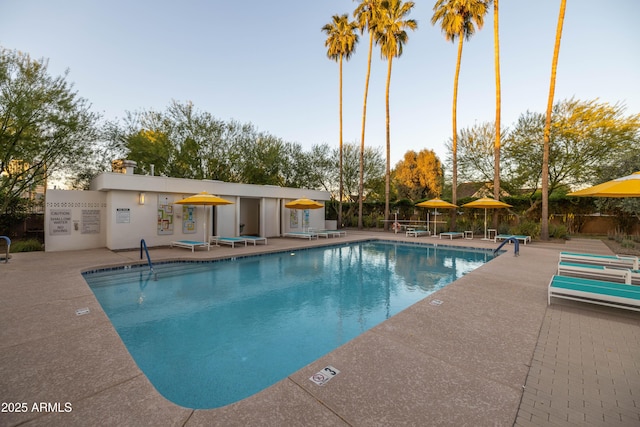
[[417, 233], [255, 239], [190, 244], [336, 233], [630, 262], [521, 238], [452, 234], [231, 241], [601, 292], [597, 272], [301, 235], [318, 233]]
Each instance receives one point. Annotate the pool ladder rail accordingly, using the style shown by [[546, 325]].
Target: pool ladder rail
[[516, 247], [143, 245], [8, 240]]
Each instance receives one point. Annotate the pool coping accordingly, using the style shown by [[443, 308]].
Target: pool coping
[[461, 362]]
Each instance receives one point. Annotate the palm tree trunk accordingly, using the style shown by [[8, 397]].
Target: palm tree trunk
[[544, 222], [341, 187], [496, 145], [364, 119], [454, 145], [387, 174]]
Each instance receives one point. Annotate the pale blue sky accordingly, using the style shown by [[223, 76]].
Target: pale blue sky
[[265, 63]]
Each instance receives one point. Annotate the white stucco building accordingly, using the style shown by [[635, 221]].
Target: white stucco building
[[123, 208]]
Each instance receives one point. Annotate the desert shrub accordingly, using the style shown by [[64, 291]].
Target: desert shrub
[[30, 245], [627, 243], [527, 228], [504, 229], [558, 231]]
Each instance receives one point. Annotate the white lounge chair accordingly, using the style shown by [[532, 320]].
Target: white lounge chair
[[520, 237], [231, 241], [318, 233], [630, 262], [301, 235], [190, 244], [597, 272], [417, 233], [452, 234], [601, 292], [255, 239]]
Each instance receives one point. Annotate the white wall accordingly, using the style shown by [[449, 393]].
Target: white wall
[[296, 219], [75, 220], [111, 215]]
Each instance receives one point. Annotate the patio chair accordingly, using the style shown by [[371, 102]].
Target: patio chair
[[231, 241], [619, 295], [630, 262], [452, 234], [190, 244]]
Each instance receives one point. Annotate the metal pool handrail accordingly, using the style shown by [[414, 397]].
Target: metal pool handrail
[[6, 259], [143, 244], [516, 247]]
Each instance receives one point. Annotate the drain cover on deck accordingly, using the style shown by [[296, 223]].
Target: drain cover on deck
[[81, 311]]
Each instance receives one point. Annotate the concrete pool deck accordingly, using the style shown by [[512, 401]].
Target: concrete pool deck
[[489, 353]]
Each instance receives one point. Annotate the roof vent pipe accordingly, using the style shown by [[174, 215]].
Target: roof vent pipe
[[129, 166]]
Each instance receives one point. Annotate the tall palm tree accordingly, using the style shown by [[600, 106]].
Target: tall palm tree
[[458, 20], [544, 223], [496, 145], [390, 34], [341, 42], [366, 16]]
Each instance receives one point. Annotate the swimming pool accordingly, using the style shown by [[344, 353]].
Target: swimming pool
[[207, 334]]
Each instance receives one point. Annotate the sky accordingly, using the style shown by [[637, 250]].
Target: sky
[[265, 63]]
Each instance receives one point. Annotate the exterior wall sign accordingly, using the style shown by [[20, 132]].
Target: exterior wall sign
[[188, 219], [123, 215], [165, 216], [59, 222], [90, 221]]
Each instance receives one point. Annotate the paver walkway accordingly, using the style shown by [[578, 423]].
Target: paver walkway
[[585, 370], [586, 365]]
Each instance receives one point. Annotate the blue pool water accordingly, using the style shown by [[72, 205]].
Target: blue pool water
[[209, 334]]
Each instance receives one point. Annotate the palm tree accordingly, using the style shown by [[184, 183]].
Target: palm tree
[[496, 145], [341, 42], [544, 223], [458, 19], [390, 34], [366, 15]]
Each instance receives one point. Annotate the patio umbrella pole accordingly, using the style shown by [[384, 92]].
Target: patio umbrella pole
[[485, 225]]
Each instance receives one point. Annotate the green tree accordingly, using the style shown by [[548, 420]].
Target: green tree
[[341, 42], [148, 148], [475, 152], [391, 35], [45, 127], [458, 20], [582, 138], [544, 223], [366, 15], [419, 175], [373, 167]]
